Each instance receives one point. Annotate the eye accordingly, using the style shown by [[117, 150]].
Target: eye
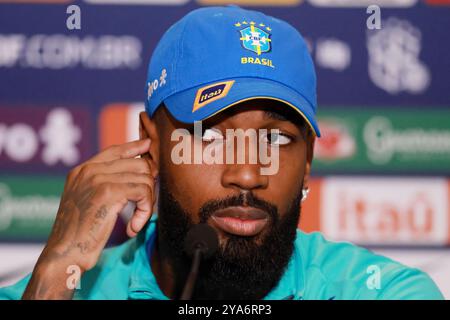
[[212, 134], [277, 138]]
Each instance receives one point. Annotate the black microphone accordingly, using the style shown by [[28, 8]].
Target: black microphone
[[201, 242]]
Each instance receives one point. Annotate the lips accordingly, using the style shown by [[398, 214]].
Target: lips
[[241, 221]]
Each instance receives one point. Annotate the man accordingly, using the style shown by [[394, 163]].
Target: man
[[234, 70]]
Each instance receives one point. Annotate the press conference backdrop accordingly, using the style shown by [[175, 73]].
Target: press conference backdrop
[[381, 170]]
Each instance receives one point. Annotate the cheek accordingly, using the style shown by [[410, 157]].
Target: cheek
[[193, 185], [286, 185]]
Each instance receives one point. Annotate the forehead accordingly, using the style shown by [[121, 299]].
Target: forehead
[[258, 112], [253, 111]]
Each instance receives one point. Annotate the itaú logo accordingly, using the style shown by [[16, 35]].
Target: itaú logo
[[368, 210]]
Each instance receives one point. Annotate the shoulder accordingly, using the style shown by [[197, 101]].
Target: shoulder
[[347, 271], [111, 272], [15, 291]]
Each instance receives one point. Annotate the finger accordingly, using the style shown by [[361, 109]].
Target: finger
[[124, 151], [137, 222], [141, 215], [137, 165], [141, 194], [124, 178]]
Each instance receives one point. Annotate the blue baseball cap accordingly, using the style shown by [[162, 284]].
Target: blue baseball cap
[[216, 57]]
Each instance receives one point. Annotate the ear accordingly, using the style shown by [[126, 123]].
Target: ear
[[147, 129], [309, 156]]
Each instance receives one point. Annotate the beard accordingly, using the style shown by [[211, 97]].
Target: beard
[[246, 268]]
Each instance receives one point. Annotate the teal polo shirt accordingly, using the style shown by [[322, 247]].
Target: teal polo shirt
[[318, 269]]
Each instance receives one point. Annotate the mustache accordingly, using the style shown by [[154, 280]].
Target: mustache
[[243, 199]]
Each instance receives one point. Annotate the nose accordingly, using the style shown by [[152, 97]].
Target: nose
[[243, 177], [244, 173]]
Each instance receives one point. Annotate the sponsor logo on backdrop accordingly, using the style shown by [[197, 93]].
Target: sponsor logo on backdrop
[[59, 51], [337, 142], [408, 140], [369, 211], [45, 139], [333, 54], [119, 123], [133, 2], [252, 2], [384, 141], [28, 206], [394, 62], [438, 2], [362, 3]]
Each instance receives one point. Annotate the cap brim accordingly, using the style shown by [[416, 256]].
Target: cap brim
[[180, 104]]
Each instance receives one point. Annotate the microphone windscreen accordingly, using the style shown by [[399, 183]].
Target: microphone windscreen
[[203, 237]]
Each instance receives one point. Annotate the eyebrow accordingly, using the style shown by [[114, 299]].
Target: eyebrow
[[300, 123]]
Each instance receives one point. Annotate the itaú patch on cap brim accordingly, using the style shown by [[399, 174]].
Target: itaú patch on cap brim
[[202, 102]]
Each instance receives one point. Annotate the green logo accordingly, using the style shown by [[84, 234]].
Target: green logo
[[383, 140], [28, 206]]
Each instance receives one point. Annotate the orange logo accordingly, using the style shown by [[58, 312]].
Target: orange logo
[[119, 123], [438, 2]]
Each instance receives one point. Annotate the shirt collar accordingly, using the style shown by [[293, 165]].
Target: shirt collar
[[291, 284], [143, 284]]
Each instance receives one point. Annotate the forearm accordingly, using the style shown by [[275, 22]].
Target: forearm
[[50, 281]]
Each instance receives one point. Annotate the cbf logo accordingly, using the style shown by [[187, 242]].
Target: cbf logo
[[254, 38]]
